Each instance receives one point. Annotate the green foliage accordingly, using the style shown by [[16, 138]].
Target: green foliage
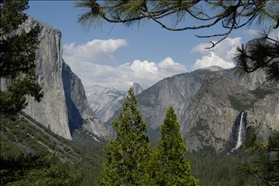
[[8, 150], [238, 104], [216, 169], [168, 165], [17, 58], [129, 151], [18, 136], [263, 164], [260, 93], [37, 170]]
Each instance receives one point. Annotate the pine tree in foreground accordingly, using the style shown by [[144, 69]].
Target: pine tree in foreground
[[17, 58], [168, 165], [262, 166], [129, 151]]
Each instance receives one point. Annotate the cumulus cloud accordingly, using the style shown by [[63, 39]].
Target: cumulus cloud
[[121, 77], [221, 55], [96, 50], [210, 60]]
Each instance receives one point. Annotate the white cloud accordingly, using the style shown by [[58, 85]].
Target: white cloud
[[96, 50], [220, 55], [120, 77], [168, 66], [210, 60]]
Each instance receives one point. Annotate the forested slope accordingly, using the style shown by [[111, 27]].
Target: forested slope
[[24, 139]]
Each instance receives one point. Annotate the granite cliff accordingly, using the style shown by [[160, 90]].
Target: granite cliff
[[217, 105], [104, 100], [64, 107]]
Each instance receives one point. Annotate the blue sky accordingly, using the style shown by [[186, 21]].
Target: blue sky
[[116, 56]]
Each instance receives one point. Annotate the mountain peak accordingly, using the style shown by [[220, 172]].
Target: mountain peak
[[139, 87], [213, 68]]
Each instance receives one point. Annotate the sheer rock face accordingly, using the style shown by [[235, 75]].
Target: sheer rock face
[[104, 101], [175, 91], [215, 108], [139, 87], [265, 114], [64, 106]]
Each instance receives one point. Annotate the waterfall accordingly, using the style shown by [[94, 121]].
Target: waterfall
[[239, 138]]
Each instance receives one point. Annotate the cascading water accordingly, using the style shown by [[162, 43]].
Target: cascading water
[[239, 138]]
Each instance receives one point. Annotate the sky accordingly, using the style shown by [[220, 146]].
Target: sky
[[114, 55]]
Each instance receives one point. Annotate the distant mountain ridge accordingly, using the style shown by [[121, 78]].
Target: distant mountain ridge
[[106, 100], [208, 102]]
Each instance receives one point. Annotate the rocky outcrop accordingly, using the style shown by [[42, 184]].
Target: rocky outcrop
[[64, 107], [215, 108], [104, 101], [139, 87], [264, 114]]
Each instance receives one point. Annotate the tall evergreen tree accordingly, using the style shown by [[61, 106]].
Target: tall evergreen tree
[[17, 58], [129, 151], [168, 165]]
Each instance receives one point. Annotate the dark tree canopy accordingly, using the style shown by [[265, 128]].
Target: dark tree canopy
[[31, 170], [263, 165], [17, 58], [260, 54], [178, 15]]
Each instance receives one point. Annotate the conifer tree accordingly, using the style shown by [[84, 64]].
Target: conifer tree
[[168, 165], [129, 151], [17, 58], [263, 164]]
